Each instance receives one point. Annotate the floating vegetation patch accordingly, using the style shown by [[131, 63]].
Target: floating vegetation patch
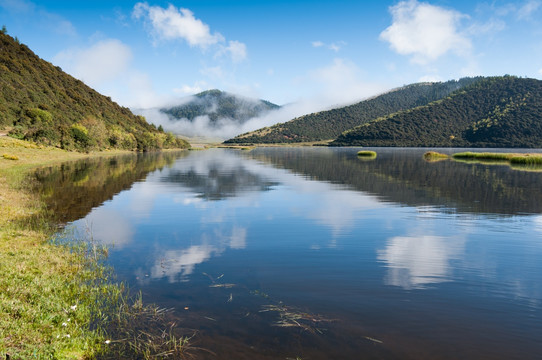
[[433, 156], [518, 161], [468, 155], [367, 154], [292, 317]]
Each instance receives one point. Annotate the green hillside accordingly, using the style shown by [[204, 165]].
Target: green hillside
[[492, 112], [220, 105], [41, 103], [327, 125]]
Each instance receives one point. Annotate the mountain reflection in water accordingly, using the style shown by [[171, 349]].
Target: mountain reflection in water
[[408, 259]]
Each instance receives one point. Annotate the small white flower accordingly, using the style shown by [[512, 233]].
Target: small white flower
[[74, 307], [57, 336], [64, 324], [67, 335], [108, 341]]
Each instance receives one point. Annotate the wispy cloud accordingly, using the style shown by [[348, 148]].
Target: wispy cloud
[[425, 32], [235, 49], [104, 61], [336, 46], [528, 9], [46, 19]]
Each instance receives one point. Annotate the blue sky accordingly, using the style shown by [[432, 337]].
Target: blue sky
[[318, 53]]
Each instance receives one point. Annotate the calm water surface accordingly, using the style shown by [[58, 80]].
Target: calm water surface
[[313, 253]]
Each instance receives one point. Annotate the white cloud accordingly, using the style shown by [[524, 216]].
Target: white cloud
[[102, 62], [173, 23], [415, 261], [198, 87], [237, 51], [425, 31], [340, 83]]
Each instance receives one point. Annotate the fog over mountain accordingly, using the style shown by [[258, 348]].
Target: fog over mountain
[[212, 114]]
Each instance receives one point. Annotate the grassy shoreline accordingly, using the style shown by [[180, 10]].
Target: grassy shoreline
[[56, 301]]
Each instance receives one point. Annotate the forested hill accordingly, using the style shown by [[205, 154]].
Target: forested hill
[[39, 102], [492, 112], [218, 105], [327, 125]]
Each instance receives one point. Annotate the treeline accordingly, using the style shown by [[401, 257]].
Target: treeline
[[327, 125], [492, 112], [41, 103], [220, 105]]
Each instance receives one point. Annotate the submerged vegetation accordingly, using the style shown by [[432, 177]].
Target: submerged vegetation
[[57, 299]]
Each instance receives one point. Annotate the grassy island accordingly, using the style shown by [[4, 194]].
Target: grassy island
[[368, 154]]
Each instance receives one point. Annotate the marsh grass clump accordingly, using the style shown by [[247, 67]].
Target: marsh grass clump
[[367, 154], [10, 157], [434, 156], [518, 161], [468, 155], [527, 159]]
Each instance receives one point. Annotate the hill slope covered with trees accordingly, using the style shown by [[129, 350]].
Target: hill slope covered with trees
[[218, 105], [327, 125], [492, 112], [39, 102]]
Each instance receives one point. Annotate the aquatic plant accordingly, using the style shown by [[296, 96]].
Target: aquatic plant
[[434, 156], [367, 154]]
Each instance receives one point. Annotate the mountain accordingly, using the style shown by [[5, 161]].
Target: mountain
[[219, 105], [491, 112], [39, 102], [327, 125]]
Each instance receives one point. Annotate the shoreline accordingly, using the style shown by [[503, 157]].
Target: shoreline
[[56, 301]]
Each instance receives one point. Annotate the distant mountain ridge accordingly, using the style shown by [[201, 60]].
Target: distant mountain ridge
[[219, 105], [491, 112], [327, 125], [41, 103]]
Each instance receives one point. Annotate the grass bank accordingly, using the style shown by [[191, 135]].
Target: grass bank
[[58, 301]]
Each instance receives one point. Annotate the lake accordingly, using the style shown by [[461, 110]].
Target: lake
[[314, 253]]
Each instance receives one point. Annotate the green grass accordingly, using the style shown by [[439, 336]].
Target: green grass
[[367, 154], [484, 156], [434, 156], [57, 300], [518, 161]]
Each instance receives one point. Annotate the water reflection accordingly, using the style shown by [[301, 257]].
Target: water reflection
[[416, 261], [395, 249], [401, 176]]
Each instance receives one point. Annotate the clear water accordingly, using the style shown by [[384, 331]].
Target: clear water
[[313, 253]]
